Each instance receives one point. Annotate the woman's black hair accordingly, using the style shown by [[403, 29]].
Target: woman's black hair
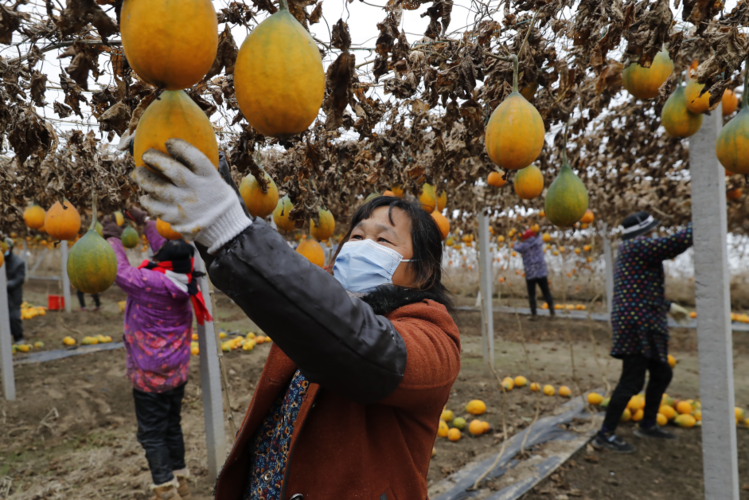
[[174, 250], [426, 239]]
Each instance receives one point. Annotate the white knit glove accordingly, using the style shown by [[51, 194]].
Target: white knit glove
[[191, 195], [679, 314]]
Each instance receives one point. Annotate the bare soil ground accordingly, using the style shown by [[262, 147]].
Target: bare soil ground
[[71, 432]]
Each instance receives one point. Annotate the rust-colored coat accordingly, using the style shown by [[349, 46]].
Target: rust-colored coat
[[343, 450]]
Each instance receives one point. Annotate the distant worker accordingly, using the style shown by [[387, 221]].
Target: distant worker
[[82, 301], [158, 333], [640, 325], [536, 273], [15, 273]]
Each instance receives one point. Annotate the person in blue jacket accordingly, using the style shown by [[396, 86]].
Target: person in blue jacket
[[640, 325]]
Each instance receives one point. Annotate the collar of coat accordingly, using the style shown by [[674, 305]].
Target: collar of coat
[[387, 298]]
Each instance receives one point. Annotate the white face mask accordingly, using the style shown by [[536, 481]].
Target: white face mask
[[362, 266]]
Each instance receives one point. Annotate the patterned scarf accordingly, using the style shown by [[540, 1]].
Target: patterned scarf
[[184, 267]]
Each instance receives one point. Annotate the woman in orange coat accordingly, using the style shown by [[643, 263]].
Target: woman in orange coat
[[363, 360]]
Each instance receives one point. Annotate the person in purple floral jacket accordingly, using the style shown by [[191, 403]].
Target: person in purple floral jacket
[[536, 273], [158, 333]]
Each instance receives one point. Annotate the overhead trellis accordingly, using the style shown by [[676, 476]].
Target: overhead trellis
[[414, 113]]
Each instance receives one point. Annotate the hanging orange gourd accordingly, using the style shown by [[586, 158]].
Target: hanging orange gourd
[[696, 103], [515, 132], [62, 221], [676, 118], [732, 146], [644, 83], [729, 102], [34, 216], [258, 202], [442, 223], [166, 231], [312, 250], [427, 198], [278, 76], [529, 182], [497, 179], [281, 214], [326, 226]]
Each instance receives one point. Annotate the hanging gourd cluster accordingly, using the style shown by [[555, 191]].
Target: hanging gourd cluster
[[514, 139]]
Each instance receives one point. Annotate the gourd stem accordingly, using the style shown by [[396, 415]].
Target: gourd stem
[[514, 72], [745, 96], [284, 4], [93, 211], [564, 145]]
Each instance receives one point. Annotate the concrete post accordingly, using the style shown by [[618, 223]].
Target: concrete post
[[720, 462], [210, 383], [485, 284], [608, 257], [6, 349], [65, 278]]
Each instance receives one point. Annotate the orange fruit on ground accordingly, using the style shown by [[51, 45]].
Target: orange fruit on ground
[[626, 415], [521, 381], [565, 391], [165, 230], [684, 407], [594, 398], [454, 434], [661, 419], [685, 420], [312, 250], [697, 415], [258, 202], [508, 383], [34, 216], [535, 387], [168, 46], [667, 411], [638, 415], [486, 425], [672, 360], [476, 407], [476, 427], [549, 390], [636, 402], [447, 415], [278, 76], [442, 429], [62, 222]]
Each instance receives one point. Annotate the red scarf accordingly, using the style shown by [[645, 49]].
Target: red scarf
[[198, 303]]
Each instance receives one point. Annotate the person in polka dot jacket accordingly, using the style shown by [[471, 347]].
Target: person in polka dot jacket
[[640, 326]]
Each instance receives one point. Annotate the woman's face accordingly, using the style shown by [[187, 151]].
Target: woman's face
[[395, 235]]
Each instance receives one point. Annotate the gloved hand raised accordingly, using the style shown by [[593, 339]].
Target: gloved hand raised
[[136, 215], [191, 195], [679, 314], [109, 228]]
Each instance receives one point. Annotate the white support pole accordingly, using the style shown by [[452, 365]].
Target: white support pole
[[720, 461], [6, 349], [485, 284], [608, 257], [65, 278], [210, 383]]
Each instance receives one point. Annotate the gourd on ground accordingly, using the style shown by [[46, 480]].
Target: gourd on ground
[[281, 214], [324, 229], [258, 202], [676, 118], [62, 221], [92, 263], [529, 182], [171, 46], [644, 83], [278, 76], [732, 146], [312, 250], [174, 115], [34, 216], [515, 132]]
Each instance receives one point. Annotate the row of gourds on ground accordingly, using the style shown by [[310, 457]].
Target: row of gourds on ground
[[173, 49]]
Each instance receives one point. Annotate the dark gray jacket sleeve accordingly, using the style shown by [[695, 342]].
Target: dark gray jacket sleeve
[[337, 341], [15, 272]]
